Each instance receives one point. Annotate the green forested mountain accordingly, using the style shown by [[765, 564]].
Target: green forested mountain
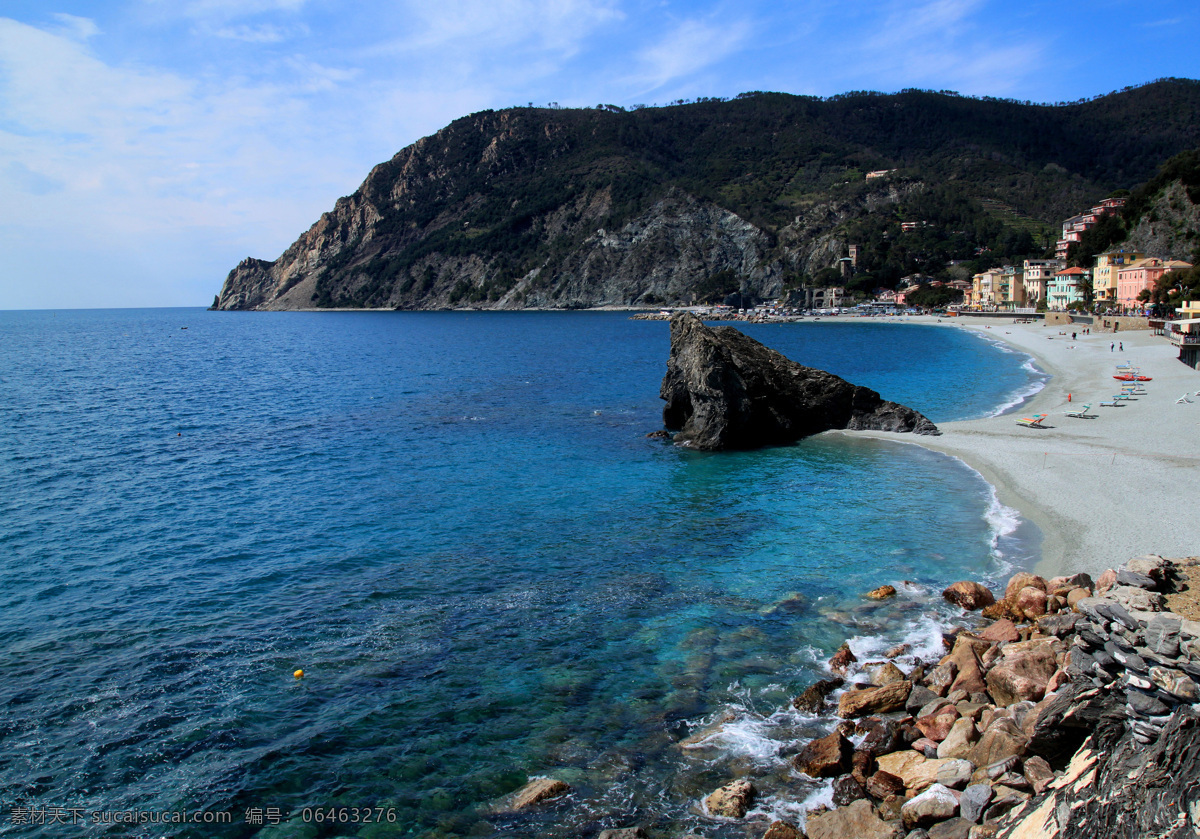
[[579, 207]]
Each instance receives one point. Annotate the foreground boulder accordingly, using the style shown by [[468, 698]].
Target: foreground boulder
[[732, 800], [725, 390]]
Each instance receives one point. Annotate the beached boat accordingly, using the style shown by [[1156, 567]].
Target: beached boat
[[1130, 377]]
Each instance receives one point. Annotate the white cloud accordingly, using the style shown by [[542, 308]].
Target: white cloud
[[489, 25], [690, 47], [938, 43], [259, 34], [80, 28]]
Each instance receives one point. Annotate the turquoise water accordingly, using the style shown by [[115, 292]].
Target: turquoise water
[[455, 525]]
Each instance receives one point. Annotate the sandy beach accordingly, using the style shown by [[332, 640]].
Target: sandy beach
[[1104, 489]]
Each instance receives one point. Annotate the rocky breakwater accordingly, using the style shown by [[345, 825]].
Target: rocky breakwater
[[725, 390], [1067, 708]]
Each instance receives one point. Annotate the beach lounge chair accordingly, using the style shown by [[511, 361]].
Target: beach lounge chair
[[1034, 421], [1182, 399], [1080, 413], [1115, 403]]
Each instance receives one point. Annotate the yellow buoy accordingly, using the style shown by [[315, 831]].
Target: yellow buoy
[[299, 674]]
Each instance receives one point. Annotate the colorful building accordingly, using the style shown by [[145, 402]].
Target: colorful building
[[1104, 275], [1067, 288], [1036, 276], [1141, 275]]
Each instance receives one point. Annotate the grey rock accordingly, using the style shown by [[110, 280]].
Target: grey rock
[[623, 833], [1117, 601], [919, 698], [1059, 624], [1080, 663], [998, 768], [1137, 682], [974, 801], [1120, 641], [724, 390], [1128, 597], [1092, 638], [933, 805], [1154, 567], [956, 828], [1162, 634], [955, 773], [1125, 577], [1144, 704], [1106, 661], [917, 834]]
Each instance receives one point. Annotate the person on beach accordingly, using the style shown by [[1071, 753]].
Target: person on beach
[[1112, 347], [1122, 346]]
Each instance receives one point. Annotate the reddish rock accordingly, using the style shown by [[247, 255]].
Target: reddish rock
[[862, 764], [1003, 739], [826, 757], [1077, 594], [1030, 602], [923, 745], [537, 791], [941, 677], [882, 593], [1038, 773], [1106, 581], [1022, 673], [887, 674], [732, 800], [1020, 580], [882, 700], [882, 784], [969, 595], [842, 659], [1001, 630], [1000, 609], [782, 830], [858, 820], [937, 726], [970, 678]]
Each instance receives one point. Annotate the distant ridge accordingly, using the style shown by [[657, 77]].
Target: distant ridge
[[567, 208]]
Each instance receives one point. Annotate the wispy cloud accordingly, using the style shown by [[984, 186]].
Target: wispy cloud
[[73, 26], [941, 43], [263, 33], [690, 47]]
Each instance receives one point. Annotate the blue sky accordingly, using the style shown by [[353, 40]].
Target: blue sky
[[147, 146]]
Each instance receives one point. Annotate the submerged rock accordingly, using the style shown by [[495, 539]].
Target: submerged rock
[[725, 390]]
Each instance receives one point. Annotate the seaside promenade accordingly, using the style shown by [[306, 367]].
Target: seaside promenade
[[1101, 490]]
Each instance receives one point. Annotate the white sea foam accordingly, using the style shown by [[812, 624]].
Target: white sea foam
[[1024, 394]]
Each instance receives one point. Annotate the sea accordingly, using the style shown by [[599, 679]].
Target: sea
[[455, 525]]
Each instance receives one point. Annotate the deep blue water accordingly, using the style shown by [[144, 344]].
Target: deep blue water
[[455, 525]]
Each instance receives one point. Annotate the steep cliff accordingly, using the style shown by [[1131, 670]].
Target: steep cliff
[[569, 208]]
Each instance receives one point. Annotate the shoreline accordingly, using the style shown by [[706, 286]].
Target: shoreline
[[1100, 490]]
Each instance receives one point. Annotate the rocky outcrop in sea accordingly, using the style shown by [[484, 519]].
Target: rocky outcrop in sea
[[724, 390]]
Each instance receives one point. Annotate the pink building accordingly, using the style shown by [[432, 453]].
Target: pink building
[[1141, 275]]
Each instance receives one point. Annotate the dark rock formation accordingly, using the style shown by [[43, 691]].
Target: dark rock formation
[[725, 390]]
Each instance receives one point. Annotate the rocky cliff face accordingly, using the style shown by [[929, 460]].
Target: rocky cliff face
[[566, 208], [725, 390], [1169, 227]]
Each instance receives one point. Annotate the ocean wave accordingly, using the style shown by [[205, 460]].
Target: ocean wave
[[1020, 396]]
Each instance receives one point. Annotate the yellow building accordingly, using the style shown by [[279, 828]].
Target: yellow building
[[1104, 276]]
